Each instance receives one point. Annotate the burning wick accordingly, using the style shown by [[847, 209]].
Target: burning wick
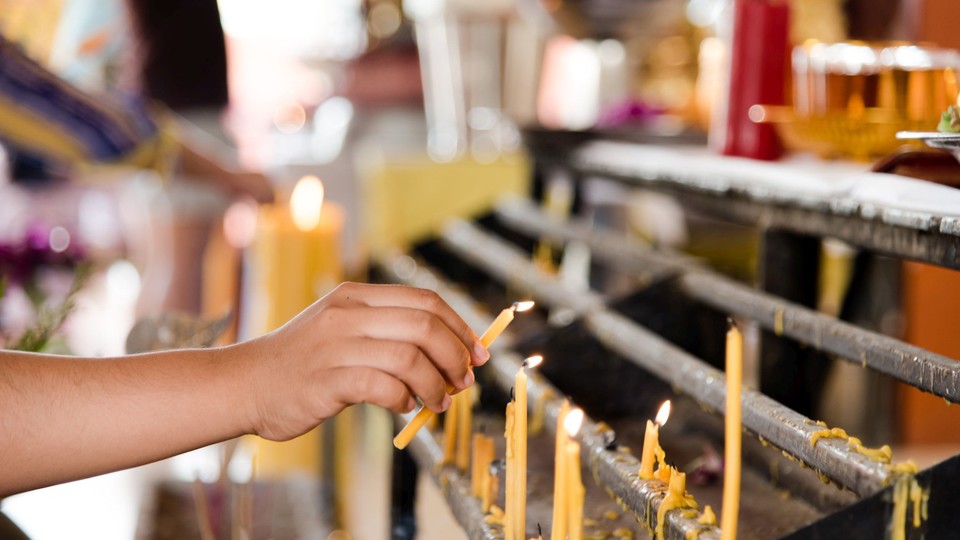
[[532, 361], [573, 421]]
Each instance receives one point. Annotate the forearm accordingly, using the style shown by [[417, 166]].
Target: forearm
[[64, 418]]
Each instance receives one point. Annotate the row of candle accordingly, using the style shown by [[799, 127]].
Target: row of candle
[[569, 491]]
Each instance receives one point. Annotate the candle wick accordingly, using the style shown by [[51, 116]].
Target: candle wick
[[513, 396], [539, 530], [731, 324]]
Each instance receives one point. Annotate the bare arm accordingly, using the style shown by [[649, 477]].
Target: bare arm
[[64, 418]]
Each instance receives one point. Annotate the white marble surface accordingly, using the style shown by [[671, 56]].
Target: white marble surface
[[801, 180]]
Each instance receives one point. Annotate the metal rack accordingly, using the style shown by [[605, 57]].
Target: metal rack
[[494, 248]]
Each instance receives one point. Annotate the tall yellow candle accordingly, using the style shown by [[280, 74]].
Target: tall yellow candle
[[558, 531], [651, 441], [489, 335], [520, 385], [510, 502], [574, 480], [733, 432]]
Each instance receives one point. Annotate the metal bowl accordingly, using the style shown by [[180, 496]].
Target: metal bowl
[[934, 139]]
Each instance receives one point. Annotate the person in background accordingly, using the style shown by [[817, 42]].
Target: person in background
[[64, 418]]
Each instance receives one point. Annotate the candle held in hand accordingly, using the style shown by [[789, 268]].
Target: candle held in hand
[[732, 432], [492, 333], [651, 441]]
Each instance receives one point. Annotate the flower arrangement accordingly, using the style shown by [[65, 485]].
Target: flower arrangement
[[40, 275]]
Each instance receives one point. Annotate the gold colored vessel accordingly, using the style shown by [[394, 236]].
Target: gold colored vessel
[[850, 99]]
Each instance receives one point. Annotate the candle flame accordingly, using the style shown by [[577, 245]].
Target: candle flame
[[664, 413], [306, 202], [522, 306], [532, 361], [573, 421]]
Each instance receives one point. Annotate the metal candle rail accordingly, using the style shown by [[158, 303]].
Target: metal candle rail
[[617, 471], [782, 427], [923, 369]]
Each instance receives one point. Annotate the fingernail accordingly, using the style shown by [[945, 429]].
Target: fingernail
[[411, 404], [468, 380], [445, 404], [481, 353]]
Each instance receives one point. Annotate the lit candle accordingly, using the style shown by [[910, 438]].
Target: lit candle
[[574, 481], [492, 333], [732, 425], [520, 384], [295, 259], [559, 529], [651, 442], [503, 319]]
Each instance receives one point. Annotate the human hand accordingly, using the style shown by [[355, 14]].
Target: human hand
[[380, 344]]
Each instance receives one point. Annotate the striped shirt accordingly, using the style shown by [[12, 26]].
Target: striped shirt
[[48, 119]]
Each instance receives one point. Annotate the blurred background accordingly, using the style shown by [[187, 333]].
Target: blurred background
[[313, 136]]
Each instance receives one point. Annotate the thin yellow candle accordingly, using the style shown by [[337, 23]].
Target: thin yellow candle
[[464, 428], [520, 384], [732, 424], [510, 502], [574, 480], [651, 441], [558, 531], [503, 319], [451, 421], [492, 333], [478, 463]]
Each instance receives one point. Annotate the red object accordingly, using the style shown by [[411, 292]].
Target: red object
[[758, 62]]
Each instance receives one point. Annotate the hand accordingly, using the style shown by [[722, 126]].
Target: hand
[[380, 344]]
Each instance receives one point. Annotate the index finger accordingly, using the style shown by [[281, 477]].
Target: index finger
[[427, 300]]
